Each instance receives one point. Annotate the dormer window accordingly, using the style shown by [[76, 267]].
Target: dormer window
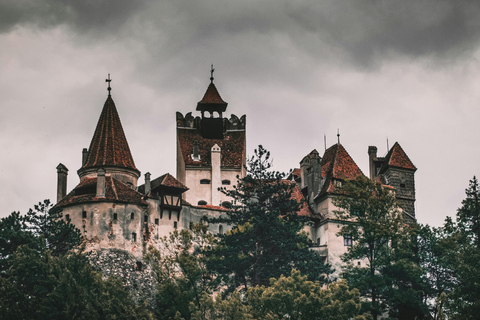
[[205, 181]]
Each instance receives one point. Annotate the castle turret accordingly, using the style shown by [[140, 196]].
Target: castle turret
[[109, 149], [212, 107]]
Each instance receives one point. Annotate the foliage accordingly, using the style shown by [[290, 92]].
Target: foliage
[[41, 225], [392, 278], [181, 272], [39, 285], [439, 277], [266, 239], [461, 246], [294, 297]]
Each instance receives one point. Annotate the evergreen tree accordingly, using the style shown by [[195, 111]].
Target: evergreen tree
[[462, 252], [266, 239], [392, 279]]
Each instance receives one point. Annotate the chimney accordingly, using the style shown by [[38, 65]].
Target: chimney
[[62, 173], [147, 183], [84, 155], [101, 183], [372, 156], [216, 174], [317, 172]]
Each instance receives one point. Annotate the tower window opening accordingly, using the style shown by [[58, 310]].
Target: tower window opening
[[134, 237], [175, 224], [132, 216], [156, 221], [115, 216], [84, 214], [145, 218]]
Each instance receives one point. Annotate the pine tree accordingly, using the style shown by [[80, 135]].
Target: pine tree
[[392, 279], [266, 239]]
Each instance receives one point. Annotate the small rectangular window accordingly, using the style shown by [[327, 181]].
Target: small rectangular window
[[134, 237], [175, 224], [190, 226], [204, 181], [347, 240], [84, 215], [67, 217], [156, 221], [145, 218], [132, 216], [115, 216]]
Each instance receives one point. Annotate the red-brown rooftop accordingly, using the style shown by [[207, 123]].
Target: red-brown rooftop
[[109, 146]]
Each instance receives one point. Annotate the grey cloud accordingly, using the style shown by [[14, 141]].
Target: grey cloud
[[98, 16]]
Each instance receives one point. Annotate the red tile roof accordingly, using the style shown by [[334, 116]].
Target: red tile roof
[[305, 210], [115, 191], [212, 98], [396, 157], [109, 146], [337, 165], [166, 180], [232, 147]]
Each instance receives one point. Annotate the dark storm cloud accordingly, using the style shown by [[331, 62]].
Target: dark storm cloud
[[365, 31], [83, 16]]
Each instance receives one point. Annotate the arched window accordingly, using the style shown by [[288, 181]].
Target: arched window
[[226, 182], [220, 229], [202, 203], [132, 216], [204, 181]]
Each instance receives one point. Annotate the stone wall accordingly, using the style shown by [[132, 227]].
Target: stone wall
[[136, 275]]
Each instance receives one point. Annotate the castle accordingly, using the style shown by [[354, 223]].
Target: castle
[[112, 211]]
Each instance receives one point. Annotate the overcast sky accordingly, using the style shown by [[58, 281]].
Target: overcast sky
[[404, 70]]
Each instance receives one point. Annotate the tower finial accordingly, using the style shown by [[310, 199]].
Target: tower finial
[[338, 135], [211, 73], [108, 80]]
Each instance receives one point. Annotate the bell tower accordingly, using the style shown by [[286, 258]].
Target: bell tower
[[211, 107]]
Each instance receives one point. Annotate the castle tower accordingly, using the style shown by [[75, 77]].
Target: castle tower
[[398, 171], [105, 205], [211, 150], [109, 149]]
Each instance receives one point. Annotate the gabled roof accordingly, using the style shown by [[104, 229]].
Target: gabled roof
[[337, 164], [396, 157], [115, 191], [109, 146], [305, 210], [212, 100], [166, 180], [232, 147]]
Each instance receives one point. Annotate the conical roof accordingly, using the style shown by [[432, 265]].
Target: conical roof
[[109, 146], [396, 157], [212, 101]]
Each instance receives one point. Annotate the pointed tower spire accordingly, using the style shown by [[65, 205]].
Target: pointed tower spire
[[109, 147], [212, 104]]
